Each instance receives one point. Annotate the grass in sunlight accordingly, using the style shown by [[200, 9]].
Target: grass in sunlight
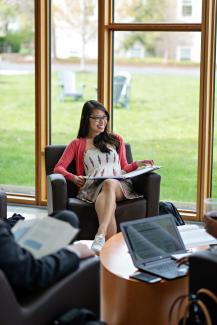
[[161, 123]]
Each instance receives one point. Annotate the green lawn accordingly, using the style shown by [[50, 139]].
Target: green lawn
[[17, 130], [161, 124]]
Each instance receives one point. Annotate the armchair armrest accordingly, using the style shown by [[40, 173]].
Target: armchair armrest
[[148, 185], [56, 192], [67, 293], [3, 205], [202, 271], [80, 289]]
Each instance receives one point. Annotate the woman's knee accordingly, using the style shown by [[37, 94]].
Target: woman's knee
[[109, 184]]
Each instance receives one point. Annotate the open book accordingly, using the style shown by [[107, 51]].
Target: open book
[[138, 171], [43, 236], [194, 236]]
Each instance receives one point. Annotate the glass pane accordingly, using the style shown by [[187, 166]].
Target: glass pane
[[74, 64], [157, 11], [156, 94], [17, 100], [214, 169]]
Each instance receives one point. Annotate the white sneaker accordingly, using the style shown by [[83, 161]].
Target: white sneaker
[[98, 243]]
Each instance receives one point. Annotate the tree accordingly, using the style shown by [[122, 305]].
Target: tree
[[7, 15], [78, 15], [142, 11], [17, 23]]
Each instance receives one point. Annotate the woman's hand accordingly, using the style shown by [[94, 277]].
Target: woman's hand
[[79, 181], [183, 260], [141, 163]]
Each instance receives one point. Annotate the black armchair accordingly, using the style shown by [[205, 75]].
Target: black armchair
[[203, 271], [202, 274], [77, 290], [61, 194]]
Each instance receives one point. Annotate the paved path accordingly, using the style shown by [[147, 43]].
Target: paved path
[[9, 68]]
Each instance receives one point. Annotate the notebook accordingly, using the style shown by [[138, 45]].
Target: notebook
[[151, 242], [134, 173]]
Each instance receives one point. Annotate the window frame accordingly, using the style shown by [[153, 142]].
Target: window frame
[[42, 97], [106, 29]]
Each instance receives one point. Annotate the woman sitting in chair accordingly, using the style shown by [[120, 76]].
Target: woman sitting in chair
[[98, 152]]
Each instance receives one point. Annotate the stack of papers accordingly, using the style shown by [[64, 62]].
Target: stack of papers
[[195, 236]]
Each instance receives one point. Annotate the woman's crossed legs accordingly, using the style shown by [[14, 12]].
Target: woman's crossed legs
[[105, 206]]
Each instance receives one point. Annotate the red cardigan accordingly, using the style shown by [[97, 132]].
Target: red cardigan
[[76, 149]]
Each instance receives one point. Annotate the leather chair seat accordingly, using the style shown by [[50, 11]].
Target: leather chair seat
[[126, 210]]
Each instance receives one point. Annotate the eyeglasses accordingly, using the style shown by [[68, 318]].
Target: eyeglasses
[[99, 118]]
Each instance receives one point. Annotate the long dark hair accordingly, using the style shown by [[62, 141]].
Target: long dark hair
[[103, 139]]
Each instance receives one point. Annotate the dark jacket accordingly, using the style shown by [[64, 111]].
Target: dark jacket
[[24, 271]]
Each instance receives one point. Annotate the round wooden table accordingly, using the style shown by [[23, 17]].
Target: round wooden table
[[126, 301]]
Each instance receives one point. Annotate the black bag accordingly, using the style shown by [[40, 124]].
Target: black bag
[[78, 316], [14, 219], [169, 207], [200, 308]]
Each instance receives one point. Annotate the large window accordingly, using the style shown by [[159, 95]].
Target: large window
[[163, 90], [160, 106], [159, 50], [74, 50], [164, 49], [17, 100]]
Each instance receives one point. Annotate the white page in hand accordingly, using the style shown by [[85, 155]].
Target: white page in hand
[[138, 171], [22, 227], [45, 235]]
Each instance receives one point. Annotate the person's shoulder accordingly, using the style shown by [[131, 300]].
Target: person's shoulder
[[77, 142]]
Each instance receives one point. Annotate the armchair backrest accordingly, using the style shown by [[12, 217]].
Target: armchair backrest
[[53, 154], [10, 309], [128, 153], [3, 205]]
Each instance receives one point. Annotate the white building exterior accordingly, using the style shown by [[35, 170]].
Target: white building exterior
[[178, 47]]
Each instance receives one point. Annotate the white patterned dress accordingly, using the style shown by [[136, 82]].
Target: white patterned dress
[[97, 163]]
